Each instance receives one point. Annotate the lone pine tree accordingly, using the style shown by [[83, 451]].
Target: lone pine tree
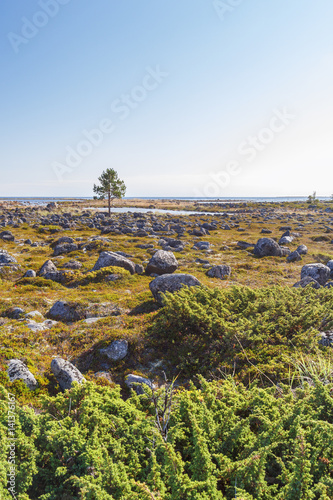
[[110, 186]]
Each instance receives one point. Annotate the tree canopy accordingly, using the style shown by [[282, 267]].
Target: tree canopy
[[110, 186]]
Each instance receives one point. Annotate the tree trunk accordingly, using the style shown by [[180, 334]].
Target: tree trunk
[[109, 203]]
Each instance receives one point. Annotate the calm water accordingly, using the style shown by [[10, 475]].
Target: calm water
[[151, 210], [45, 200]]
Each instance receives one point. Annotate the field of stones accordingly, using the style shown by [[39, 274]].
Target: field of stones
[[81, 291]]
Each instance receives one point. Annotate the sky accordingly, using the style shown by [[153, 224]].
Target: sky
[[180, 97]]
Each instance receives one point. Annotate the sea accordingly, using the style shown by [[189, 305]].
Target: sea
[[45, 200]]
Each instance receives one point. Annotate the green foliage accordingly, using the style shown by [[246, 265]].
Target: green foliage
[[100, 275], [110, 186], [224, 441], [39, 283], [251, 332], [312, 199]]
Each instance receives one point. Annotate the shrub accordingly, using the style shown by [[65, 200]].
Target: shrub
[[252, 332], [224, 441]]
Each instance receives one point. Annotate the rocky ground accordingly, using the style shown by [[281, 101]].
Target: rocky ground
[[79, 289]]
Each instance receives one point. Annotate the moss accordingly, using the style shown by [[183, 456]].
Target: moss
[[39, 283]]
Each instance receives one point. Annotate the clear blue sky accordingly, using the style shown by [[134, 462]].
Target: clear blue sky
[[191, 97]]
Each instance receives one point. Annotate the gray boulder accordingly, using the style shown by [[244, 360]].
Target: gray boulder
[[66, 311], [6, 258], [302, 250], [171, 283], [74, 311], [65, 373], [30, 274], [135, 382], [294, 257], [107, 259], [49, 271], [63, 239], [318, 271], [285, 240], [18, 370], [221, 272], [307, 281], [201, 245], [139, 269], [64, 248], [40, 327], [162, 263], [72, 264], [7, 236], [115, 351], [16, 313], [267, 247]]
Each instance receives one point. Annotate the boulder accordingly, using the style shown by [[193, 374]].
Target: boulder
[[221, 272], [302, 250], [62, 240], [30, 273], [72, 264], [162, 263], [201, 245], [66, 311], [317, 271], [40, 327], [115, 351], [294, 257], [49, 271], [307, 281], [267, 247], [6, 258], [18, 370], [15, 313], [107, 259], [139, 269], [64, 248], [244, 245], [7, 236], [171, 283], [65, 373], [135, 382], [285, 240]]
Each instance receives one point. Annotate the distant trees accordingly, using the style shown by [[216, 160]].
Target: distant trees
[[110, 186]]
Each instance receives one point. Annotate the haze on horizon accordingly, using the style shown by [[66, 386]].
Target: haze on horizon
[[214, 98]]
